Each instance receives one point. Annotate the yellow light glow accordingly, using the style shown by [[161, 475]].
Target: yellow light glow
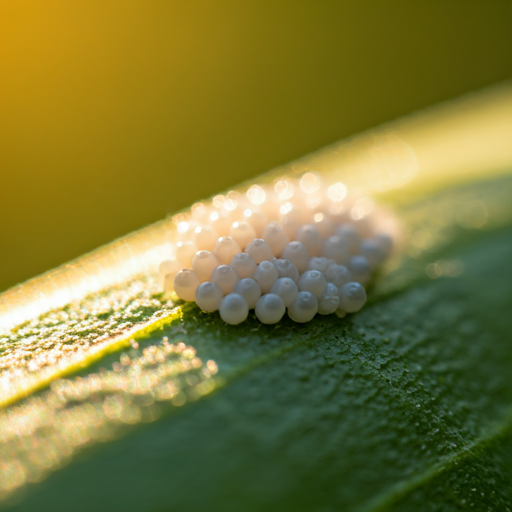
[[230, 204], [285, 208], [256, 195], [183, 227], [218, 201], [310, 182], [337, 192], [284, 189]]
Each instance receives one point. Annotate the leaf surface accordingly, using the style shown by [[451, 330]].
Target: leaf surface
[[407, 404]]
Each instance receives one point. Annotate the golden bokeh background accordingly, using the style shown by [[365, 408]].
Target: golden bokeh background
[[115, 113]]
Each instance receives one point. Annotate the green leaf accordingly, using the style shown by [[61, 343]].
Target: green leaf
[[128, 401]]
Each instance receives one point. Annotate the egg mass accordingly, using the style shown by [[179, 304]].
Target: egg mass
[[291, 245]]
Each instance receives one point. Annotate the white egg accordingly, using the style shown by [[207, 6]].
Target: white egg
[[233, 309], [304, 308], [352, 297], [266, 275], [297, 254], [310, 237], [328, 304], [285, 268], [185, 252], [225, 277], [290, 225], [203, 264], [286, 288], [168, 267], [314, 282], [276, 237], [185, 284], [338, 275], [349, 233], [250, 290], [360, 269], [221, 221], [260, 251], [270, 308], [372, 251], [324, 225], [257, 220], [329, 301], [244, 265], [243, 233], [225, 249], [331, 289], [320, 263], [208, 296], [270, 207], [337, 249], [205, 238]]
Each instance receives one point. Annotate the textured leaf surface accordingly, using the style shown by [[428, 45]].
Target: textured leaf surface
[[404, 406]]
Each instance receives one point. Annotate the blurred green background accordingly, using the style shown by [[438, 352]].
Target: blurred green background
[[115, 113]]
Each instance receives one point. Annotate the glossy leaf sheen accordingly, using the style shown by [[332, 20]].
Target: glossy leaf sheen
[[405, 406]]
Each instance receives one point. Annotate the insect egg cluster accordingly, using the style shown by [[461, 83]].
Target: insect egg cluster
[[297, 246]]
